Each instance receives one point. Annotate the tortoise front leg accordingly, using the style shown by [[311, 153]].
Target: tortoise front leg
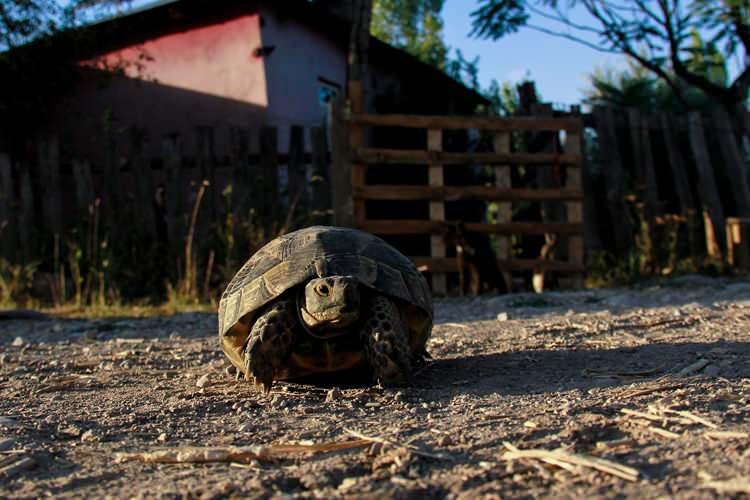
[[270, 342], [386, 343]]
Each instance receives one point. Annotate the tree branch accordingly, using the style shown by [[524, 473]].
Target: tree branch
[[573, 38], [679, 67]]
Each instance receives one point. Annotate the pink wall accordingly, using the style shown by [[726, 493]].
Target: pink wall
[[206, 76]]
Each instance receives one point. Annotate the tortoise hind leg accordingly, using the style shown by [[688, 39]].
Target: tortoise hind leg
[[386, 343], [270, 342]]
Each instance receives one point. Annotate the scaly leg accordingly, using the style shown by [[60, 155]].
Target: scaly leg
[[386, 343], [270, 342]]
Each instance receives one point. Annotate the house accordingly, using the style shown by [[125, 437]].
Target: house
[[177, 66]]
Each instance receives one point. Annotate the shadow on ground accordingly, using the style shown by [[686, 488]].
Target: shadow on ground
[[541, 371]]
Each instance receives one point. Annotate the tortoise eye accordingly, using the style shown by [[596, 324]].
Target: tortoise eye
[[322, 290]]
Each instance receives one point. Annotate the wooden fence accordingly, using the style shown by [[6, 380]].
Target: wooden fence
[[436, 193], [649, 169], [48, 197]]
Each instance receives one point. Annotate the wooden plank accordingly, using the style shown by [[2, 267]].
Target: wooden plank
[[84, 185], [174, 192], [456, 193], [640, 145], [420, 157], [619, 215], [677, 165], [143, 183], [341, 168], [450, 265], [437, 210], [298, 196], [242, 180], [713, 212], [7, 205], [467, 122], [269, 171], [205, 157], [409, 226], [574, 209], [734, 163], [25, 216], [503, 181], [321, 186], [48, 158]]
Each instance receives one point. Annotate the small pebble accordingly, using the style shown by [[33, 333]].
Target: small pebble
[[347, 483], [333, 395], [7, 444], [503, 316], [8, 422], [162, 437], [88, 436], [712, 370], [18, 342], [203, 381]]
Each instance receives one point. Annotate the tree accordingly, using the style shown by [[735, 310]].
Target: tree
[[413, 25], [636, 87], [36, 63], [656, 34]]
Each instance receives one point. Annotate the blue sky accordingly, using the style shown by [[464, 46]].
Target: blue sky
[[558, 66]]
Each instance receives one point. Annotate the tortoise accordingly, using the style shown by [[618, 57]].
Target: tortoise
[[326, 299]]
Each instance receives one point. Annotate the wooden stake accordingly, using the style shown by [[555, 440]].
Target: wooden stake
[[437, 210], [503, 180]]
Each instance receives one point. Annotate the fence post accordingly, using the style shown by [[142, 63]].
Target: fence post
[[738, 243], [503, 180], [548, 177], [713, 213], [574, 209], [437, 210], [341, 167]]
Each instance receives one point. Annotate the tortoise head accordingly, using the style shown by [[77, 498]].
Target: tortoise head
[[331, 303]]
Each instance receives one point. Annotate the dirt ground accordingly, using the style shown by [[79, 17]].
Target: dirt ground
[[654, 381]]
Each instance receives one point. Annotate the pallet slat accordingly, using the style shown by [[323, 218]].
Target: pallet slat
[[465, 122], [455, 193], [372, 156], [389, 226]]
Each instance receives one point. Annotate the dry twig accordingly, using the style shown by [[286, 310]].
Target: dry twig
[[11, 466], [736, 485], [570, 461], [243, 454], [726, 435], [409, 448], [691, 417]]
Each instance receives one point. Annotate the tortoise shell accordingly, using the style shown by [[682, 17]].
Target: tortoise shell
[[295, 258]]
